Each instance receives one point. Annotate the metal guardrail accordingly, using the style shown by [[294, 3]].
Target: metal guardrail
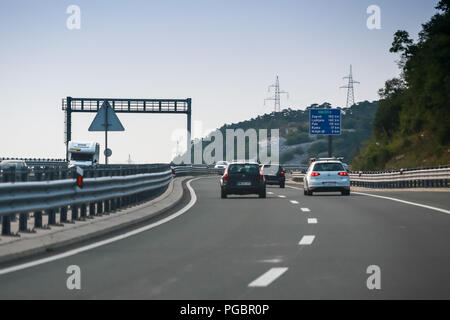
[[39, 161], [407, 178], [50, 172], [98, 196], [447, 166], [297, 176], [195, 170], [53, 191], [294, 167], [412, 178]]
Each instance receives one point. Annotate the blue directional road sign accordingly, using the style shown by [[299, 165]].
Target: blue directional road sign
[[325, 121]]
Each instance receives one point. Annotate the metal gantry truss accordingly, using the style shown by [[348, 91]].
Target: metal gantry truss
[[170, 106]]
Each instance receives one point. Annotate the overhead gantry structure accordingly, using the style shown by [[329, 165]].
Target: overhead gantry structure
[[166, 106]]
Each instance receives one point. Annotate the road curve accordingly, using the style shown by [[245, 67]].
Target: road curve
[[287, 246]]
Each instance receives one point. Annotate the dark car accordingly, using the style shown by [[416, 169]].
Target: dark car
[[274, 174], [243, 178]]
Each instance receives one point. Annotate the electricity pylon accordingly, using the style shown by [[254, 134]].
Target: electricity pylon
[[277, 95], [350, 89]]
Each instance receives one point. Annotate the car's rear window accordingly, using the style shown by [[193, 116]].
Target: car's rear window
[[243, 168], [328, 167], [272, 169]]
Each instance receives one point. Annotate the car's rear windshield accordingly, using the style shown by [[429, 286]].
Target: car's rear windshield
[[328, 167], [272, 169], [243, 168], [82, 156], [221, 163]]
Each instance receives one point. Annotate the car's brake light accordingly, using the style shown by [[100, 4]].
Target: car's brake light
[[225, 176], [282, 172], [315, 174], [343, 173], [261, 175], [173, 171]]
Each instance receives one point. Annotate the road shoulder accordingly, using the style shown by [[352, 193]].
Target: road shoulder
[[79, 232]]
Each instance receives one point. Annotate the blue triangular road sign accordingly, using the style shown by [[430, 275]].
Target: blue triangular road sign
[[106, 117]]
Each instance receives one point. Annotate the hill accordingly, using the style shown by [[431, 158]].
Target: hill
[[412, 124], [296, 145]]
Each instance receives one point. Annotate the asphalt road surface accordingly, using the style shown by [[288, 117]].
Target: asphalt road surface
[[288, 246]]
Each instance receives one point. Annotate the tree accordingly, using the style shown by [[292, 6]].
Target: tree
[[419, 101]]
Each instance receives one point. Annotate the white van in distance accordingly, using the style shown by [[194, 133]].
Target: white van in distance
[[83, 154]]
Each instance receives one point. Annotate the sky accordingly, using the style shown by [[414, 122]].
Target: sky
[[222, 54]]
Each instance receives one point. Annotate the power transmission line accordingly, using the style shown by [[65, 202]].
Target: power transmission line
[[277, 95], [350, 89]]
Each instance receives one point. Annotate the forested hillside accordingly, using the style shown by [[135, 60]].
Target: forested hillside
[[412, 124], [296, 145]]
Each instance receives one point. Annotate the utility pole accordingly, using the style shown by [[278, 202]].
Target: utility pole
[[277, 95], [350, 89], [330, 146], [106, 136]]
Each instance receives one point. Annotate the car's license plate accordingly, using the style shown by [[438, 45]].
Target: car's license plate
[[329, 183], [244, 183]]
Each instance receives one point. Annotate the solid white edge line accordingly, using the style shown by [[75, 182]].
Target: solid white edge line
[[107, 241], [312, 220], [406, 202], [268, 277], [395, 199], [306, 240]]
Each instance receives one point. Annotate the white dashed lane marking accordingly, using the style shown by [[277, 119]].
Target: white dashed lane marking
[[269, 192], [294, 202], [281, 196], [306, 240], [305, 209], [312, 221], [268, 277]]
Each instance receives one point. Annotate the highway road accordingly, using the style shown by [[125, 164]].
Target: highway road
[[287, 246]]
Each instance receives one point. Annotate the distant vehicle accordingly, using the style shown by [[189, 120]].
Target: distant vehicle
[[243, 178], [346, 166], [274, 174], [221, 166], [18, 164], [326, 176], [83, 154]]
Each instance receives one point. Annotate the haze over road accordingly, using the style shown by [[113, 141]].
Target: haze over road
[[291, 247]]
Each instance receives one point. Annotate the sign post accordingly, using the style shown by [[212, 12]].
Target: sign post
[[106, 120], [106, 134], [325, 122]]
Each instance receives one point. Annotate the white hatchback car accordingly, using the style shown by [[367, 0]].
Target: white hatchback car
[[326, 176], [221, 166]]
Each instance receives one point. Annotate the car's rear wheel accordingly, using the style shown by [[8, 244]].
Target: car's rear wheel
[[345, 193], [223, 194], [282, 185]]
